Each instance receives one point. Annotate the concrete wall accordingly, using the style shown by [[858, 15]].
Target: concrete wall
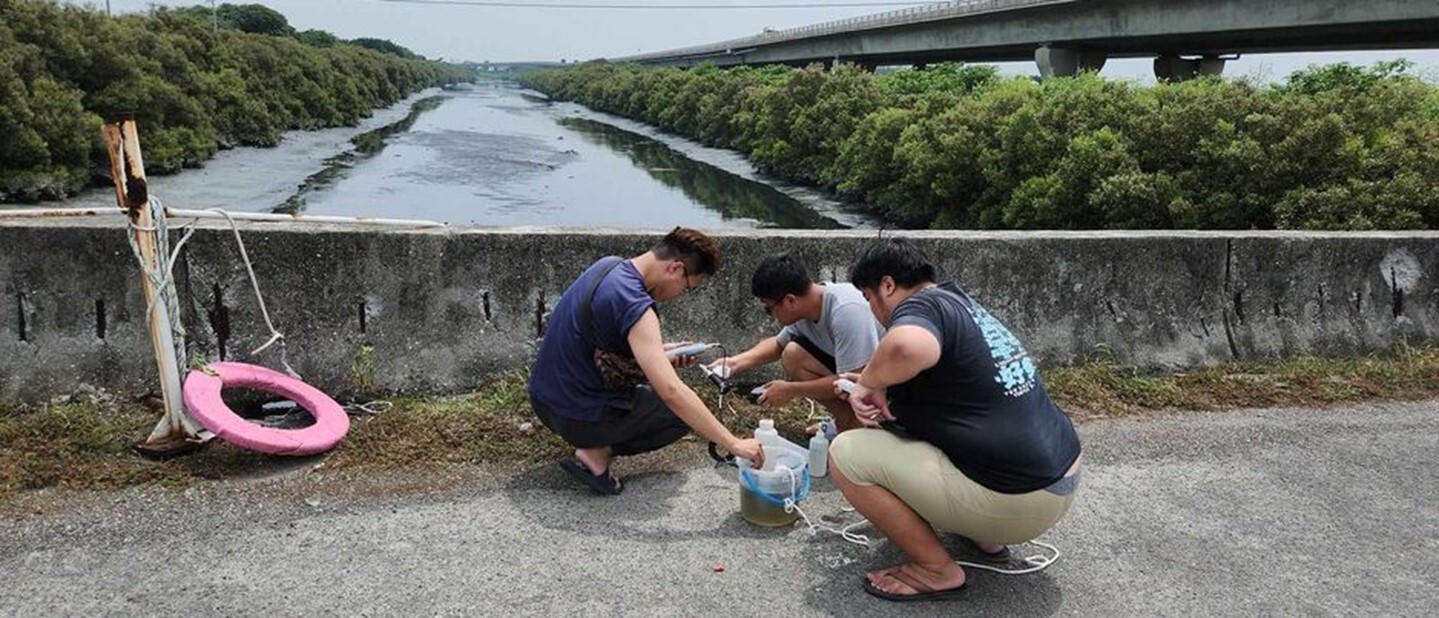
[[442, 310]]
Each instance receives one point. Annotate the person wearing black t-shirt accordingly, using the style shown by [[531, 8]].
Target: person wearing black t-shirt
[[960, 435]]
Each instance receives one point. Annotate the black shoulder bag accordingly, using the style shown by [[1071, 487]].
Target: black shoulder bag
[[618, 372]]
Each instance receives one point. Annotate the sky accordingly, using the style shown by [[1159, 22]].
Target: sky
[[488, 33]]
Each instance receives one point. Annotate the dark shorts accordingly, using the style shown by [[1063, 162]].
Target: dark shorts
[[631, 426], [822, 356]]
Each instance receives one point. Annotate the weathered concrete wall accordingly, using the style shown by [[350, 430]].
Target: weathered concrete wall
[[441, 310]]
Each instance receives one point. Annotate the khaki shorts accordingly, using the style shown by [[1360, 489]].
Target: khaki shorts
[[922, 477]]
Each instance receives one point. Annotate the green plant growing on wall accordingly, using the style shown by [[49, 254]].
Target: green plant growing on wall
[[362, 369]]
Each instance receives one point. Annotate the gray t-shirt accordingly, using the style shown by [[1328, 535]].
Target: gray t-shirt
[[846, 328]]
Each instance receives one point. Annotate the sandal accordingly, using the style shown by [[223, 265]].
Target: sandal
[[999, 557], [604, 484], [920, 594]]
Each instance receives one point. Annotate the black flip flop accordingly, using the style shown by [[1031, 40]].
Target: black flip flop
[[928, 595], [1002, 556], [603, 484]]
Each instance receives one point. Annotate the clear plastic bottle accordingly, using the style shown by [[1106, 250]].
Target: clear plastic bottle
[[819, 455]]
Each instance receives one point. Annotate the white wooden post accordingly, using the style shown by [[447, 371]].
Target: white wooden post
[[176, 432]]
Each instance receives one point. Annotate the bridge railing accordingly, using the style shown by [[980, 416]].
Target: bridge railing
[[916, 14]]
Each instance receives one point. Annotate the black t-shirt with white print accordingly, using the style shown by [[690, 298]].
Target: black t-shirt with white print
[[983, 403]]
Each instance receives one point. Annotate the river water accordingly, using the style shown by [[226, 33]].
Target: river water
[[493, 154]]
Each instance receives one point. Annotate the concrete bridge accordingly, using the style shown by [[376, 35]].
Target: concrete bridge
[[512, 67], [1186, 37]]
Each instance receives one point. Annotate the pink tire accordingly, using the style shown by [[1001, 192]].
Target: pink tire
[[202, 399]]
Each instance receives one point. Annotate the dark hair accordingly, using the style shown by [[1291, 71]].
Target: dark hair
[[897, 258], [778, 275], [698, 251]]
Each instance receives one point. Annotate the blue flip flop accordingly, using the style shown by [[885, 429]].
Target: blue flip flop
[[603, 484]]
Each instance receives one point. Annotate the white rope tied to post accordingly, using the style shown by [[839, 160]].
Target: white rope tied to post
[[162, 275], [369, 408], [275, 335]]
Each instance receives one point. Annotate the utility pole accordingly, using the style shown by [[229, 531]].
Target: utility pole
[[107, 8], [214, 19]]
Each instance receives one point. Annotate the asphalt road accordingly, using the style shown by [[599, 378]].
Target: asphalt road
[[1261, 512]]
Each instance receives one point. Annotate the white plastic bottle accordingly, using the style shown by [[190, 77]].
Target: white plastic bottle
[[819, 455], [769, 440]]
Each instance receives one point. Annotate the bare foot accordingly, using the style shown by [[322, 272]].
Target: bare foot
[[913, 579], [873, 576]]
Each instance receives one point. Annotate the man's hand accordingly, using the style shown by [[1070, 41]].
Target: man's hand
[[840, 392], [870, 405], [680, 362], [748, 448], [727, 367], [777, 393]]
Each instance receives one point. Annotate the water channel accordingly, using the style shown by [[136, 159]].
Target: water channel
[[494, 154]]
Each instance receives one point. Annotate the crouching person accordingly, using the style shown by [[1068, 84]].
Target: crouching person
[[960, 437], [602, 380], [827, 329]]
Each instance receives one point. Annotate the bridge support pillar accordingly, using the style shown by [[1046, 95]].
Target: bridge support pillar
[[1064, 62], [1177, 69]]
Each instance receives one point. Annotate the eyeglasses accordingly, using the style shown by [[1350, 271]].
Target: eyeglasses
[[769, 307], [686, 268]]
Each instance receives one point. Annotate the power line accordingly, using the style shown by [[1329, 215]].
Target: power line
[[642, 7]]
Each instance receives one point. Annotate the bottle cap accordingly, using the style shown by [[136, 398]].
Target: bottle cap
[[766, 423]]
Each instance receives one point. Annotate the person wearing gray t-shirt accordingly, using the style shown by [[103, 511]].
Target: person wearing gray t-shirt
[[828, 330]]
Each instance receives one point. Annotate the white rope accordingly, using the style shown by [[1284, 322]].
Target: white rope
[[275, 335], [161, 276], [790, 506], [1036, 563], [814, 528], [369, 408]]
